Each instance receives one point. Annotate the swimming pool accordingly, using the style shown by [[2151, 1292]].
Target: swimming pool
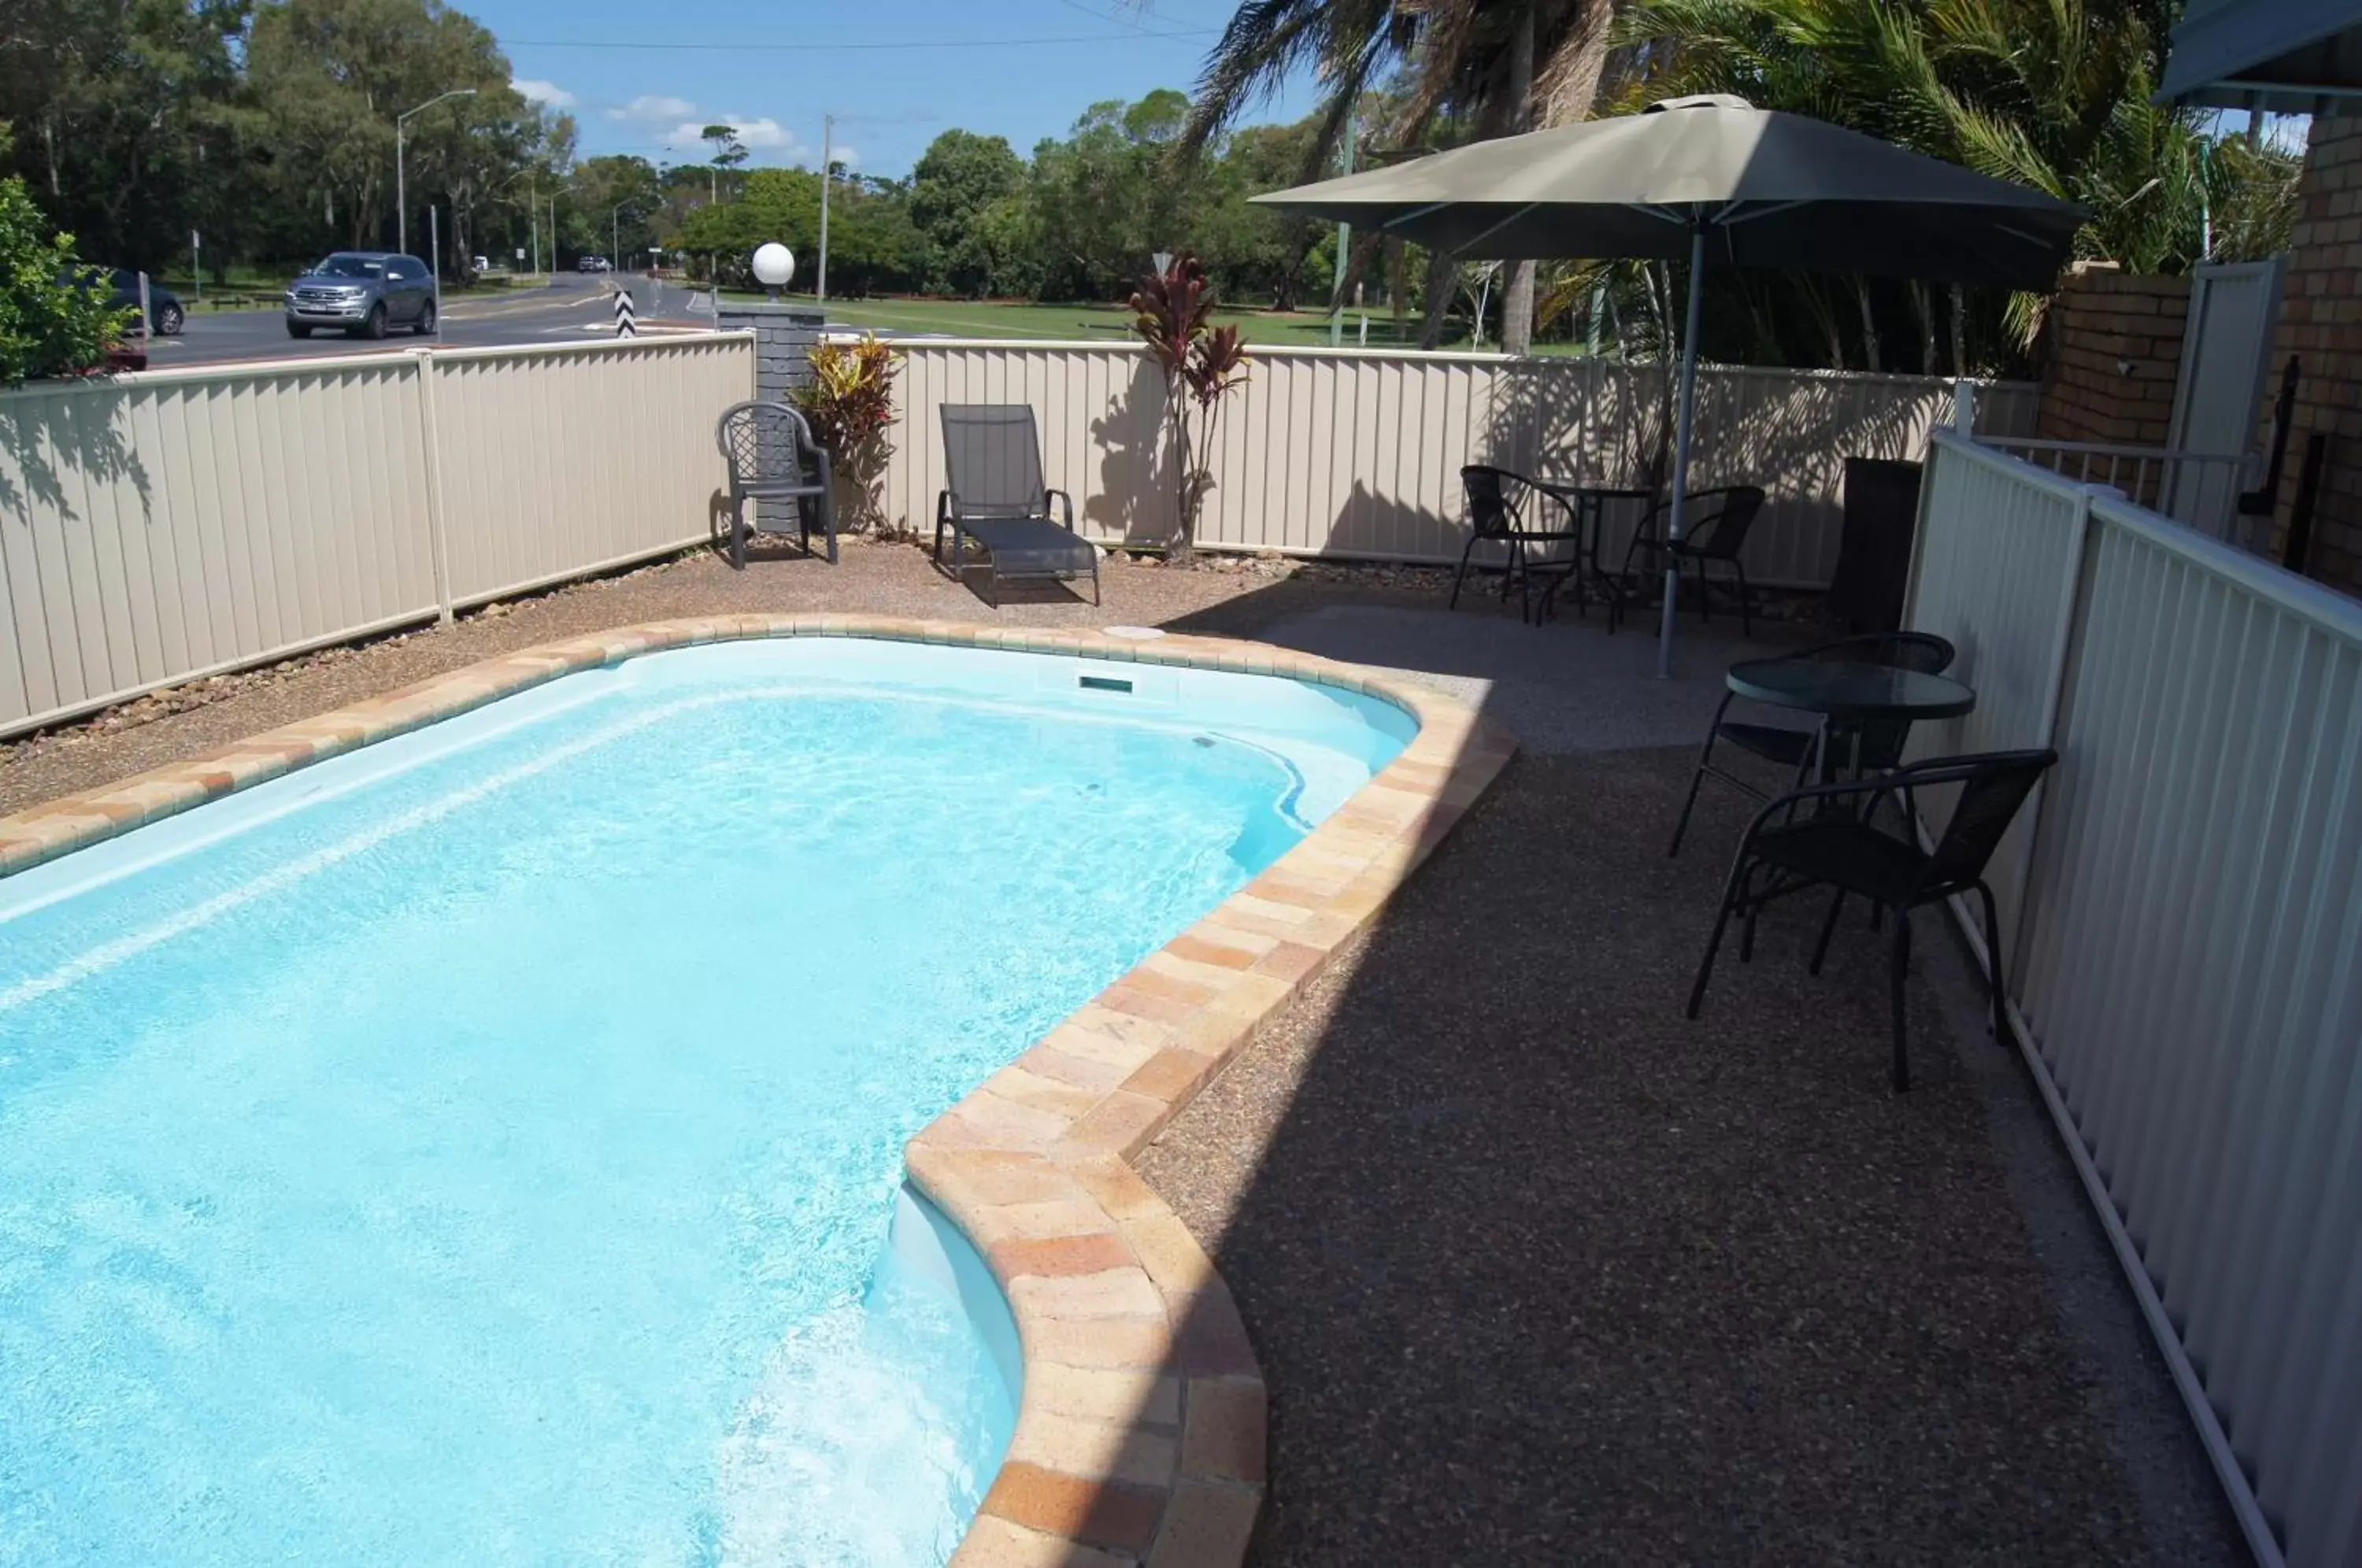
[[479, 1146]]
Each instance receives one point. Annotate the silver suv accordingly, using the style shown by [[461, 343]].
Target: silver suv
[[363, 292]]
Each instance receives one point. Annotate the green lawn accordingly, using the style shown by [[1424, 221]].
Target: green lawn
[[1091, 322]]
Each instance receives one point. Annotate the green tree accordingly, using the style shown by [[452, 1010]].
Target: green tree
[[955, 181], [1252, 252], [1471, 68], [614, 202], [330, 76], [729, 155], [128, 116], [780, 204], [50, 325], [1109, 196]]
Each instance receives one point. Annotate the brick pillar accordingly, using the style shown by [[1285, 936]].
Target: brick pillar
[[2321, 323], [2114, 353], [784, 334]]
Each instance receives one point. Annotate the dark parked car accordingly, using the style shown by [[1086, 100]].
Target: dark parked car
[[121, 287], [363, 292]]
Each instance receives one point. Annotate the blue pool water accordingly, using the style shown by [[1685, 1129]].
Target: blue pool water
[[479, 1148]]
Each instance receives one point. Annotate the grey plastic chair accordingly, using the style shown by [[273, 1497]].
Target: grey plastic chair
[[992, 455], [1838, 848], [1717, 531], [1497, 499], [772, 457]]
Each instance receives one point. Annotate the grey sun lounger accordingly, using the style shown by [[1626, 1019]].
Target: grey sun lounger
[[992, 457]]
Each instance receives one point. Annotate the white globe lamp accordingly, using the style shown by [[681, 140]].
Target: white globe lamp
[[774, 265]]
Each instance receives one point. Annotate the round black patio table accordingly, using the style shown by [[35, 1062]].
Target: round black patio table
[[1851, 691]]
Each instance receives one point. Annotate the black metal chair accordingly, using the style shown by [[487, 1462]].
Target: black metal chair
[[1877, 746], [772, 457], [1841, 849], [992, 456], [1715, 533], [1497, 515]]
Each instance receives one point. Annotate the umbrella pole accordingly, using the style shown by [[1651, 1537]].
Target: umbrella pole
[[1676, 517]]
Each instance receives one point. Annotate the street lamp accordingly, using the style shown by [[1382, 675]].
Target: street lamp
[[774, 265], [532, 209], [401, 190]]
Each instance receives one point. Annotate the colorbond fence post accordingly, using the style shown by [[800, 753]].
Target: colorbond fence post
[[439, 546]]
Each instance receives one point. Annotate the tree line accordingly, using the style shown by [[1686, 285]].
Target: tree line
[[268, 127], [1078, 220], [2051, 94]]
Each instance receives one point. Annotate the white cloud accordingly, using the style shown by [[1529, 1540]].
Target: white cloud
[[549, 94], [764, 135], [654, 108], [849, 157]]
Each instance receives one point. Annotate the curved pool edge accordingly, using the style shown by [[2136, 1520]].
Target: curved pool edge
[[1141, 1426]]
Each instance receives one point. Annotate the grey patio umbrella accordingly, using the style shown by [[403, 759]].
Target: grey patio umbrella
[[1716, 180]]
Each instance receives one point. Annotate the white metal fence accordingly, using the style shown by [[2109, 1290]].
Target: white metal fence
[[2201, 489], [1358, 452], [2184, 910], [161, 526]]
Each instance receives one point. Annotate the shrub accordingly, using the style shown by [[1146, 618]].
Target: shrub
[[49, 324], [850, 406], [1173, 313]]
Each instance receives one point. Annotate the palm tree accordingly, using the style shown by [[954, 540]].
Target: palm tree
[[1469, 68], [2051, 94]]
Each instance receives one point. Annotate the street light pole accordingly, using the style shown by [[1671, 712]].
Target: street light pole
[[401, 188], [827, 140]]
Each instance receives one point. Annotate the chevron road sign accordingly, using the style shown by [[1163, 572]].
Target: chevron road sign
[[625, 326]]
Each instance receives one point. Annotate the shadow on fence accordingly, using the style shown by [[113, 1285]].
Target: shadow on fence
[[52, 447], [1132, 498], [1788, 431]]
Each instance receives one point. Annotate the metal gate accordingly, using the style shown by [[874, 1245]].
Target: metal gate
[[2225, 358]]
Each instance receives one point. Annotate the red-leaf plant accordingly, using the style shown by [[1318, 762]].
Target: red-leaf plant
[[1173, 312]]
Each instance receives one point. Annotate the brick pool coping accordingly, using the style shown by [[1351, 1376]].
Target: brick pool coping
[[1141, 1433]]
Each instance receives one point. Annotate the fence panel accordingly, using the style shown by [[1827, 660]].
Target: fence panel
[[2189, 947], [558, 461], [1998, 559], [160, 527], [1358, 452]]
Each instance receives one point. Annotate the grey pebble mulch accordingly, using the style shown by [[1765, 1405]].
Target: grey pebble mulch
[[1541, 1271]]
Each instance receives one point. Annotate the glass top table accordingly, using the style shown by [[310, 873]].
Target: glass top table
[[1851, 691]]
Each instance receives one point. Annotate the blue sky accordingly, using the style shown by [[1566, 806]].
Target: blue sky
[[902, 71]]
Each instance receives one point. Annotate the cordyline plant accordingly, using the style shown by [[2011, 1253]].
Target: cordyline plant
[[850, 406], [1173, 313]]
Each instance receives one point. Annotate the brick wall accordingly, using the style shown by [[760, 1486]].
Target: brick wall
[[784, 334], [2114, 352], [2321, 323]]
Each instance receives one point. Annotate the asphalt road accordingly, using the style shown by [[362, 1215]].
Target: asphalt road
[[573, 309]]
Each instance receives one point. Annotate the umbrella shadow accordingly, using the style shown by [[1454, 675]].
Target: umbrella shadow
[[1788, 431]]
